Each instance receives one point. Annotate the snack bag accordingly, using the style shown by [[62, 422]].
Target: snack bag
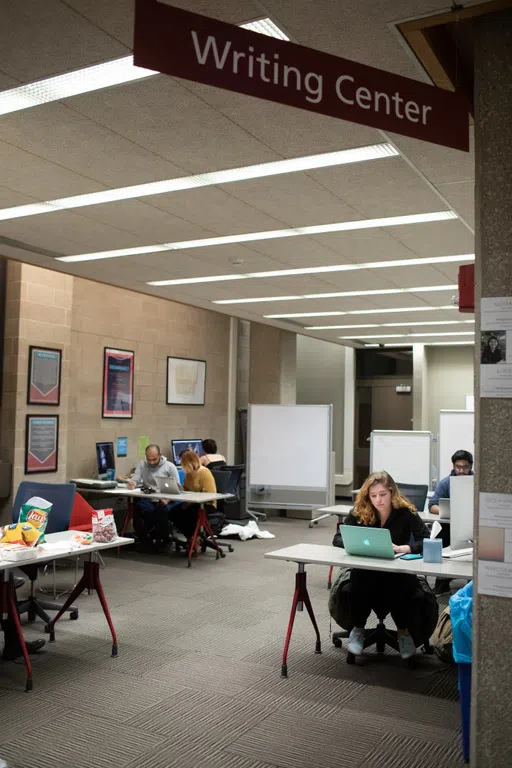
[[103, 526], [11, 534], [35, 513], [81, 539]]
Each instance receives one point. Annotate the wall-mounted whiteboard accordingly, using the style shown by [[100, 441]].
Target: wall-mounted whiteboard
[[456, 432], [405, 454], [289, 456]]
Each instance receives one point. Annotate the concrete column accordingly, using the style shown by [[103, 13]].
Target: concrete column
[[288, 372], [492, 640], [419, 386]]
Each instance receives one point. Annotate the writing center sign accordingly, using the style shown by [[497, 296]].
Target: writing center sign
[[205, 50]]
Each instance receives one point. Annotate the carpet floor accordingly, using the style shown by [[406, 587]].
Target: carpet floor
[[197, 681]]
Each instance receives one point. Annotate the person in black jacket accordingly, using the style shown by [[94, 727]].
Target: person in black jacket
[[379, 504]]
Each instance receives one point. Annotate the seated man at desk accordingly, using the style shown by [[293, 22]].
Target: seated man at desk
[[379, 504], [210, 457], [462, 464], [153, 515]]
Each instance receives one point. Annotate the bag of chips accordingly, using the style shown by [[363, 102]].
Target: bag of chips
[[103, 526], [34, 513]]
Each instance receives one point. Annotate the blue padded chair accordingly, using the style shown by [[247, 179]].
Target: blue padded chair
[[62, 496]]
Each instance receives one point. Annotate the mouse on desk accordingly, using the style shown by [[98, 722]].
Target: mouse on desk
[[146, 489]]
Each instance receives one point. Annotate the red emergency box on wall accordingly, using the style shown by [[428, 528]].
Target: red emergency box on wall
[[467, 288]]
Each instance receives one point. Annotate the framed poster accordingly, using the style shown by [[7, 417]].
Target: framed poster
[[44, 371], [41, 444], [186, 381], [118, 366]]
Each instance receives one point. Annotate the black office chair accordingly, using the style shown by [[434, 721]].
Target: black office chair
[[417, 494], [235, 472], [62, 496]]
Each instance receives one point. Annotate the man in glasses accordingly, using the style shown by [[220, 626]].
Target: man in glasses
[[462, 462]]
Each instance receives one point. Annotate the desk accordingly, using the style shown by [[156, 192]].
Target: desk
[[90, 580], [319, 554], [187, 497]]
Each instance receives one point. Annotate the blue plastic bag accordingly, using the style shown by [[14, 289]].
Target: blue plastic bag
[[461, 613]]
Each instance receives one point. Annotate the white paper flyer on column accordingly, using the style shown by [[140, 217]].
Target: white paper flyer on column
[[496, 347], [495, 545]]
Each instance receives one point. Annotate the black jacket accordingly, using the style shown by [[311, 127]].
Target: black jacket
[[404, 526]]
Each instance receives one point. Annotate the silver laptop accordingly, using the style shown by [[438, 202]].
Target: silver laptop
[[444, 509], [167, 485]]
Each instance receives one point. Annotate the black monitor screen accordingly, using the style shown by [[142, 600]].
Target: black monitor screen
[[105, 457], [178, 446]]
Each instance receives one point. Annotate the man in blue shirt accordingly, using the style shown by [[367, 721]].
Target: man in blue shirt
[[462, 465]]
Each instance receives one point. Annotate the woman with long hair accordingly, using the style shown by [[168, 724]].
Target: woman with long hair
[[379, 504], [200, 480]]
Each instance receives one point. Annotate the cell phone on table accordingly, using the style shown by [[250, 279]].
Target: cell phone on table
[[410, 556]]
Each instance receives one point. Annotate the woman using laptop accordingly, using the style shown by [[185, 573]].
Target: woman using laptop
[[200, 480], [379, 504]]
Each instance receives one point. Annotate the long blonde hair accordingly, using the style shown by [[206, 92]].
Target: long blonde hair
[[363, 507]]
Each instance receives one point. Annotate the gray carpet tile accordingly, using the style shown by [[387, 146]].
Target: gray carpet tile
[[197, 681], [78, 740], [395, 751], [292, 740]]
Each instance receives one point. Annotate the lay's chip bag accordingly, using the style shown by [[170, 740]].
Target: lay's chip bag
[[34, 519]]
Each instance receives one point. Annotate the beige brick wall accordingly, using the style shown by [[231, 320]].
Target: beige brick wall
[[81, 317], [154, 329]]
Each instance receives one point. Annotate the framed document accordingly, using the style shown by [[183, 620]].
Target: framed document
[[44, 371], [41, 444], [118, 367], [186, 381]]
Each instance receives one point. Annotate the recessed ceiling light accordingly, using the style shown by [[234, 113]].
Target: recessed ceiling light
[[192, 280], [432, 344], [408, 335], [426, 308], [71, 84], [273, 234], [265, 26], [260, 170], [431, 288], [387, 325], [259, 299]]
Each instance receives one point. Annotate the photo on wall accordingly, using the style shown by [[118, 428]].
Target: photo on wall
[[186, 381], [493, 347], [41, 444], [44, 374], [118, 368]]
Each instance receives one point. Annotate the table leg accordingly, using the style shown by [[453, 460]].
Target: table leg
[[127, 518], [9, 610], [300, 598], [90, 580]]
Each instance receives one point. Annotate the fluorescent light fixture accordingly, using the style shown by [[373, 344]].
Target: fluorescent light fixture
[[425, 308], [260, 170], [430, 344], [408, 335], [265, 26], [381, 292], [386, 325], [192, 280], [342, 268], [372, 345], [273, 234], [260, 299], [71, 84], [346, 293]]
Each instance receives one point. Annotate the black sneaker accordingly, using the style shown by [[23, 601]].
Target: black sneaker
[[442, 587]]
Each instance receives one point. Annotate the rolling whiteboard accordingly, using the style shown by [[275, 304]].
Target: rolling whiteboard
[[456, 432], [289, 461], [405, 454]]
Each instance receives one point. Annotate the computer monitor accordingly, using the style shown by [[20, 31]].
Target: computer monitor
[[461, 511], [105, 458], [178, 446]]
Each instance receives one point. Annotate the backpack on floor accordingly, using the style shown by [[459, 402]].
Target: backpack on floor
[[339, 601], [442, 637]]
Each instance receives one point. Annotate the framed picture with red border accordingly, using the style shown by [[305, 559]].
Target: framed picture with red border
[[41, 444], [118, 371], [44, 375]]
